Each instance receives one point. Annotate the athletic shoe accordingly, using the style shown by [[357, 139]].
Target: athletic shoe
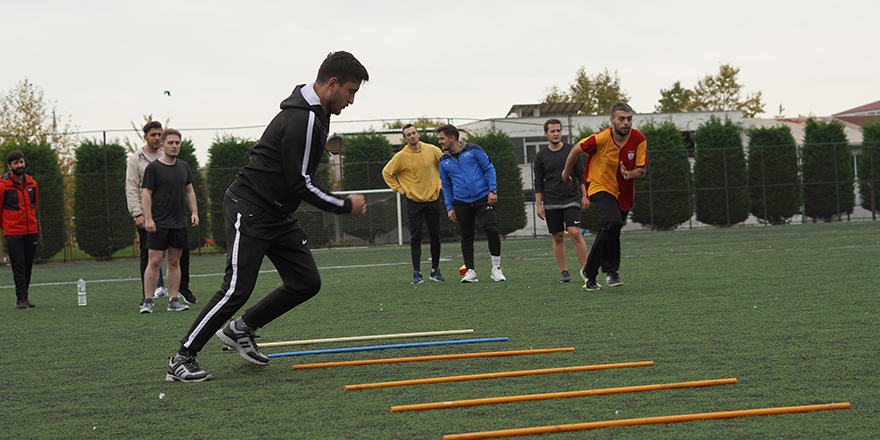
[[591, 285], [185, 369], [175, 306], [188, 297], [583, 273], [497, 275], [613, 279], [242, 339], [435, 275], [147, 306], [21, 304], [29, 304], [160, 292], [470, 277], [417, 278], [565, 277]]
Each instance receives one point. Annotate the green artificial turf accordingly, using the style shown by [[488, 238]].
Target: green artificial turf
[[791, 312]]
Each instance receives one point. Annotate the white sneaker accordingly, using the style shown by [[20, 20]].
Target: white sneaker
[[470, 277], [497, 275], [160, 292]]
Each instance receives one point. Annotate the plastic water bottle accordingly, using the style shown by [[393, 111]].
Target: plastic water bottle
[[81, 292]]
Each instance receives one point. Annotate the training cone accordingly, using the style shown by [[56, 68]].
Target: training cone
[[462, 270]]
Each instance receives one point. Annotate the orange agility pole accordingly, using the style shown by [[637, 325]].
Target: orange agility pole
[[645, 421], [497, 375], [546, 396], [432, 358], [360, 338]]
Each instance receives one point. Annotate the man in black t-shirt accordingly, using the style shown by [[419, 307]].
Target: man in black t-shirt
[[167, 187]]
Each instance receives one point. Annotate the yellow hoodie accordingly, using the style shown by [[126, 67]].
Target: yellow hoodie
[[415, 172]]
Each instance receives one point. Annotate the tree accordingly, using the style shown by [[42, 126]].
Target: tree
[[511, 205], [720, 176], [226, 155], [676, 99], [869, 166], [42, 163], [421, 123], [773, 174], [363, 157], [198, 234], [721, 92], [828, 171], [663, 196], [598, 92], [103, 223]]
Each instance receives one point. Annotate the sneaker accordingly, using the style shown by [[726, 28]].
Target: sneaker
[[435, 275], [175, 306], [613, 279], [160, 292], [497, 275], [21, 304], [583, 273], [243, 341], [565, 277], [185, 369], [147, 306], [30, 305], [417, 278], [470, 277], [188, 297], [591, 285]]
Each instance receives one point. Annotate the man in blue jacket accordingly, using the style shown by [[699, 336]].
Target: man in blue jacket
[[469, 188]]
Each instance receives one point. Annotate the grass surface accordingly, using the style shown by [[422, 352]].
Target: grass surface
[[791, 312]]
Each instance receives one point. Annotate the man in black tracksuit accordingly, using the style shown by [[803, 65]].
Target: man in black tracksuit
[[259, 213]]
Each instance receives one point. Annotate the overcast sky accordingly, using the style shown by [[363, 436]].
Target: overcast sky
[[230, 63]]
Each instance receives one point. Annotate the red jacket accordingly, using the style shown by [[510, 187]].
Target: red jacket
[[18, 204]]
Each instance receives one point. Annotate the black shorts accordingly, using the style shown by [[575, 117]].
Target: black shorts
[[163, 239], [559, 220]]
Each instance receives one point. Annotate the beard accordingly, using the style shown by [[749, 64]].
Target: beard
[[18, 171], [622, 131]]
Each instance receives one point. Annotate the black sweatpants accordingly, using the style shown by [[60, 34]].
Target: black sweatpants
[[430, 213], [253, 233], [605, 252], [467, 214], [145, 259], [21, 249]]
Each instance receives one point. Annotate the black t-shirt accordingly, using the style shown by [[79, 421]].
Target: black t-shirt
[[168, 183]]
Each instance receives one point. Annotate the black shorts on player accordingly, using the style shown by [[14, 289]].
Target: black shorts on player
[[559, 220], [163, 239]]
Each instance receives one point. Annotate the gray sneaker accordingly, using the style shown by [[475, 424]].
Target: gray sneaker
[[185, 369], [565, 277], [147, 306], [613, 279], [242, 339], [175, 306]]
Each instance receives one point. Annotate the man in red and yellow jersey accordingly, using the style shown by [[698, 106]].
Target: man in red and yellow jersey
[[615, 157]]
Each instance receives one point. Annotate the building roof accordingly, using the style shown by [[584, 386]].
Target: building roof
[[544, 110], [862, 115]]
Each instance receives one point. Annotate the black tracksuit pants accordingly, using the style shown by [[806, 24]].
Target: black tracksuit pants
[[21, 249], [467, 214], [430, 213], [605, 252], [251, 234]]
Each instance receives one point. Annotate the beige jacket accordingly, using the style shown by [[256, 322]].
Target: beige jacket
[[134, 176]]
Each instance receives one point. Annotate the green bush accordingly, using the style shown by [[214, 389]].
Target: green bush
[[720, 177], [103, 223], [226, 155], [662, 197], [869, 166], [364, 155], [41, 163], [773, 174], [828, 171], [511, 200], [198, 234]]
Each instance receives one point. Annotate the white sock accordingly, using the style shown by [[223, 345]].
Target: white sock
[[496, 261]]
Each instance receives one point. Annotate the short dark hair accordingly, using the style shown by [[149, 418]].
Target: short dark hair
[[151, 125], [169, 132], [344, 67], [448, 130], [621, 106], [408, 126], [13, 156], [550, 122]]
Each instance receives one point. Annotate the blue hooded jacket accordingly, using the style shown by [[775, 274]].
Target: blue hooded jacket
[[469, 178]]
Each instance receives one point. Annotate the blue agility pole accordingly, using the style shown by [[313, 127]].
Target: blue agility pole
[[383, 347]]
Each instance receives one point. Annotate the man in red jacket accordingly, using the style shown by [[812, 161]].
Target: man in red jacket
[[18, 219]]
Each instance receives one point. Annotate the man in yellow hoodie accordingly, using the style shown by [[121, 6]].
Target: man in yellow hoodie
[[412, 172]]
